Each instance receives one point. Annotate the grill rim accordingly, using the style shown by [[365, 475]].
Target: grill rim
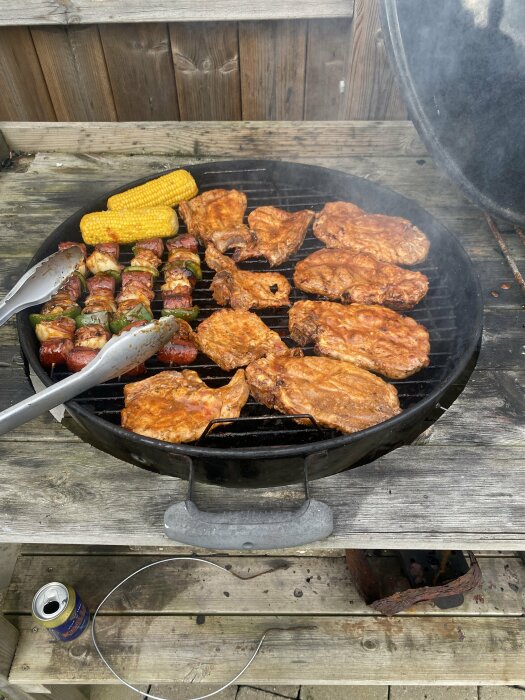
[[409, 415]]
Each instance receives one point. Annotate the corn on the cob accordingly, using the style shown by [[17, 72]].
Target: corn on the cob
[[128, 225], [167, 190]]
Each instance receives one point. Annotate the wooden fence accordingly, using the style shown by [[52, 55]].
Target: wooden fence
[[58, 69]]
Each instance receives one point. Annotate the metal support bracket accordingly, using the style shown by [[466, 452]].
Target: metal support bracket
[[248, 529]]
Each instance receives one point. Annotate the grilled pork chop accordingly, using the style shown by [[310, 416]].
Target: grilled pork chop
[[372, 337], [274, 234], [236, 338], [242, 289], [337, 394], [215, 210], [338, 273], [177, 406], [388, 238]]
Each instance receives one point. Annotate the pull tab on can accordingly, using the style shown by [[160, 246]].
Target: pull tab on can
[[59, 608]]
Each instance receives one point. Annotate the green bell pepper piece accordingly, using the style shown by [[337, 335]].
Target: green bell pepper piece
[[120, 321], [72, 312], [139, 268], [82, 279], [194, 268], [185, 314]]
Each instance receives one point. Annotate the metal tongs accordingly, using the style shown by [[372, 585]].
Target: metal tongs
[[119, 355], [40, 282]]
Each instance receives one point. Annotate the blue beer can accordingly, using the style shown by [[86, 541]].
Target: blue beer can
[[59, 608]]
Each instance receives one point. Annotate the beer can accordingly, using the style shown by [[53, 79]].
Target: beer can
[[59, 608]]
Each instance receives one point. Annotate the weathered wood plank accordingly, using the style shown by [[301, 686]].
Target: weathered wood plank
[[45, 428], [8, 641], [64, 692], [87, 11], [327, 69], [502, 345], [454, 650], [22, 84], [140, 67], [304, 586], [8, 556], [4, 149], [408, 488], [206, 61], [272, 63], [491, 410], [373, 92], [75, 71], [111, 692], [242, 139], [79, 550]]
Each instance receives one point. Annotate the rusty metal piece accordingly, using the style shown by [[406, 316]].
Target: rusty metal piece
[[506, 252], [277, 566], [390, 595], [521, 234], [405, 599], [365, 578], [504, 285]]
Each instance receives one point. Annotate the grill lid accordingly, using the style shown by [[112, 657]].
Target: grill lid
[[461, 68]]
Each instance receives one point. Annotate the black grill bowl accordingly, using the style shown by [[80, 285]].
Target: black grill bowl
[[271, 451]]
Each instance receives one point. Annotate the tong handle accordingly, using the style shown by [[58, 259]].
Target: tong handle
[[33, 406], [248, 529], [40, 282], [8, 308]]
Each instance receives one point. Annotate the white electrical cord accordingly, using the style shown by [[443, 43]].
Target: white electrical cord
[[156, 697]]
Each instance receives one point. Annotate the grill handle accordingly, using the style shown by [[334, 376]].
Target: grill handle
[[249, 529]]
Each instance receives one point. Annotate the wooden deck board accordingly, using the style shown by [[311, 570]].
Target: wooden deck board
[[428, 497], [236, 139], [303, 586], [111, 11], [372, 650]]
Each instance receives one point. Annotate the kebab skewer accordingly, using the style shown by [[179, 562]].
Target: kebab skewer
[[137, 293], [92, 325], [55, 324], [181, 273]]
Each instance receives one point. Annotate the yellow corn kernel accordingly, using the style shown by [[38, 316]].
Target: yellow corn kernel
[[167, 190], [128, 225]]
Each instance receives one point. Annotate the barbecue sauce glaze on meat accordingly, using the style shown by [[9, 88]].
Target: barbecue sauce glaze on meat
[[212, 211], [274, 234], [388, 238], [236, 338], [370, 336], [242, 289], [177, 406], [337, 394], [340, 274]]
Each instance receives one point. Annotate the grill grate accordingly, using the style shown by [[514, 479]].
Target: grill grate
[[437, 312]]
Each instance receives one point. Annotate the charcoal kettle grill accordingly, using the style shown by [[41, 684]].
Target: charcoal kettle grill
[[264, 448]]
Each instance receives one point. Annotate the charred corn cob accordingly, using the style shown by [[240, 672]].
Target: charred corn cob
[[167, 190], [128, 225]]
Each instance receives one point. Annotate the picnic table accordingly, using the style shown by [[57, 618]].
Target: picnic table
[[80, 515]]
